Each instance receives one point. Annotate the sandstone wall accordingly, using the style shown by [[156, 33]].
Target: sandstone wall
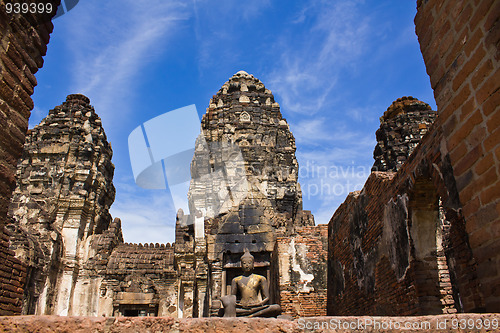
[[460, 45], [23, 43], [443, 323]]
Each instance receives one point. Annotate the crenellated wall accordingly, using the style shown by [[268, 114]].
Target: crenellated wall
[[139, 277]]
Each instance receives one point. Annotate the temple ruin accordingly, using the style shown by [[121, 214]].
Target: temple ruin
[[244, 195], [421, 237], [408, 251]]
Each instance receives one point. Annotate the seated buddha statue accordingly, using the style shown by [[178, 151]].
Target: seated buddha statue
[[249, 286]]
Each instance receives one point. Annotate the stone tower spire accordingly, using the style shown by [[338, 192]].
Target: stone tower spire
[[61, 201], [401, 127], [243, 193], [246, 141]]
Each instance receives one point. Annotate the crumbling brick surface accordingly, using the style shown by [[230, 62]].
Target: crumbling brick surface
[[460, 44], [303, 271], [141, 259], [387, 242], [23, 43], [452, 176]]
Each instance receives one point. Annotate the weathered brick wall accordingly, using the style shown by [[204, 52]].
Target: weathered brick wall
[[375, 242], [459, 41], [303, 271], [12, 279], [23, 43], [435, 324]]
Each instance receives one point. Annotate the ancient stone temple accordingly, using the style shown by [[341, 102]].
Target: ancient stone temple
[[421, 236], [244, 195], [60, 204]]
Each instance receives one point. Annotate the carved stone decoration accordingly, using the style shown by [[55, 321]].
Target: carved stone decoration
[[61, 202], [61, 226], [243, 194], [244, 117]]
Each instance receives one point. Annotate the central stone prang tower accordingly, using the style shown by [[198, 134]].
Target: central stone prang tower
[[243, 195]]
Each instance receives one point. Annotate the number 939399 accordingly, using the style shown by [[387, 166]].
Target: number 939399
[[28, 7]]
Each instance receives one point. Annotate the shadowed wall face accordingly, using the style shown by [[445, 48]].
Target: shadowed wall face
[[398, 246], [460, 46], [23, 43]]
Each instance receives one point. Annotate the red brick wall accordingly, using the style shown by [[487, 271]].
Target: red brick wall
[[373, 265], [459, 41], [300, 298], [23, 43]]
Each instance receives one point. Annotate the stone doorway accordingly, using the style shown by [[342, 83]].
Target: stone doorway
[[434, 287], [137, 310]]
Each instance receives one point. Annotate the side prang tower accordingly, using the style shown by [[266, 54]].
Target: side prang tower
[[60, 205]]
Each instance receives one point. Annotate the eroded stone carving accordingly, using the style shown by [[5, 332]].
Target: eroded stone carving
[[253, 290], [60, 204]]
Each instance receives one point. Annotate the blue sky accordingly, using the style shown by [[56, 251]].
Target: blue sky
[[333, 66]]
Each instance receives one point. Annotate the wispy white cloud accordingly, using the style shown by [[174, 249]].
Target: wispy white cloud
[[112, 42], [321, 130], [327, 176], [219, 33], [312, 62], [334, 160], [144, 214]]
